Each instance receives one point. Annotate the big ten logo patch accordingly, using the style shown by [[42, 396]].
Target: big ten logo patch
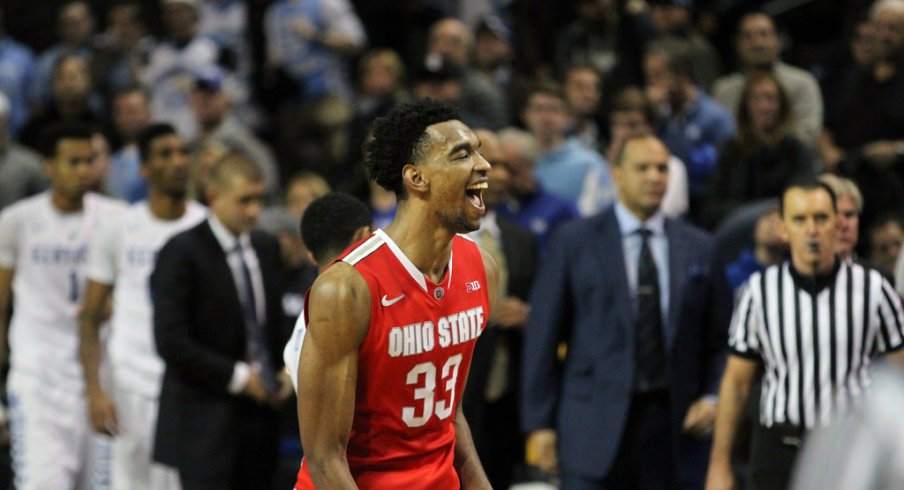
[[472, 286]]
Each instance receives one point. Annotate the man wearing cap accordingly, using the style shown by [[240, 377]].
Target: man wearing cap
[[172, 65], [451, 40], [212, 103]]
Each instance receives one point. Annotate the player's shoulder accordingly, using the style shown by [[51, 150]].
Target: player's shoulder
[[341, 287], [105, 205], [29, 204]]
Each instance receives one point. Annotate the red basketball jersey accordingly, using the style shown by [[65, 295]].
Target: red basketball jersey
[[412, 365]]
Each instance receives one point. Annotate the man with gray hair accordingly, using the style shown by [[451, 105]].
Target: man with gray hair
[[21, 174], [530, 206], [849, 201]]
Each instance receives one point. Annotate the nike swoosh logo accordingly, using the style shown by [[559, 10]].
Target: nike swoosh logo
[[389, 302]]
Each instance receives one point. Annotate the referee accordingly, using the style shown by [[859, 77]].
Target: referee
[[815, 322]]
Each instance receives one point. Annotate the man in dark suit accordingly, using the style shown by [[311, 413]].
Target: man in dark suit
[[490, 400], [215, 307], [644, 320]]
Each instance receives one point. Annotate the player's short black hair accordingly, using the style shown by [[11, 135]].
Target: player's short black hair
[[149, 134], [808, 184], [397, 140], [53, 134], [329, 223]]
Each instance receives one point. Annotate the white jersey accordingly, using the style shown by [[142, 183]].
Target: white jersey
[[49, 251], [292, 351], [123, 254]]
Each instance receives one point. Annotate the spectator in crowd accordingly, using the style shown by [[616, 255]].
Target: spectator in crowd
[[769, 247], [43, 260], [302, 189], [582, 85], [824, 295], [75, 28], [309, 44], [212, 101], [17, 76], [609, 38], [849, 201], [70, 101], [759, 50], [759, 160], [691, 124], [864, 128], [382, 83], [885, 236], [121, 260], [122, 50], [529, 204], [220, 345], [442, 80], [675, 18], [493, 53], [632, 115], [564, 165], [861, 52], [633, 296], [452, 41], [131, 113], [21, 173], [490, 401], [226, 23], [173, 64]]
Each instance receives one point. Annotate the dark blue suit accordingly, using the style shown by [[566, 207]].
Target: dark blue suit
[[582, 297]]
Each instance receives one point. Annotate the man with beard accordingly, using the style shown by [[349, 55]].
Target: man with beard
[[392, 325]]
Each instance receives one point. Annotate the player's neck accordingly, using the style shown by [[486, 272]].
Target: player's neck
[[65, 204], [427, 246], [165, 206]]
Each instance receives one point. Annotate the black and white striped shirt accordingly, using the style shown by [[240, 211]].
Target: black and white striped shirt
[[815, 349]]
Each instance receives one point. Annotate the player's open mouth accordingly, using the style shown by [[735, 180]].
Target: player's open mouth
[[475, 194]]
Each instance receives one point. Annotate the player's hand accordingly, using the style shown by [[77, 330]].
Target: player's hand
[[541, 450], [510, 312], [719, 477], [102, 412], [255, 389], [285, 390], [700, 417]]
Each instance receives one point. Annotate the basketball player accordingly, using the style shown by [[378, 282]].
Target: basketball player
[[329, 225], [121, 260], [392, 325], [43, 258]]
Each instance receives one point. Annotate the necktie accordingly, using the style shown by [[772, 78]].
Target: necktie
[[258, 350], [649, 346]]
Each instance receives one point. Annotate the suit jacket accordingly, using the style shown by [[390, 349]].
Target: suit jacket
[[200, 334], [581, 296]]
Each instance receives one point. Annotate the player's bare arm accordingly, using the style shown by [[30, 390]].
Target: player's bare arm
[[101, 410], [733, 395], [6, 292], [339, 315], [467, 463]]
